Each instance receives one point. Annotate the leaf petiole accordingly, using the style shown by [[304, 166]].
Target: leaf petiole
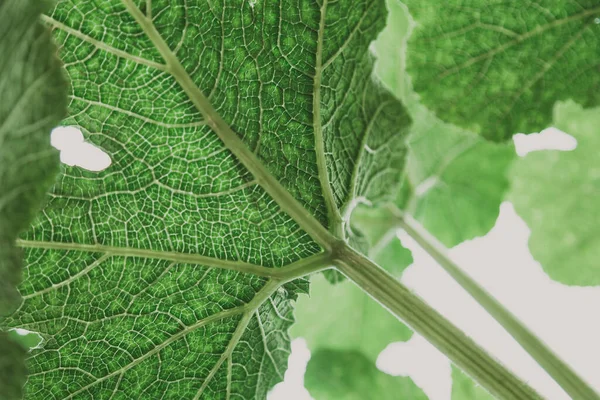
[[423, 319]]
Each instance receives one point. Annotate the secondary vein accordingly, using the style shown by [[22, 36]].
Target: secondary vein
[[182, 258], [101, 45], [213, 318], [334, 216], [295, 270], [251, 308]]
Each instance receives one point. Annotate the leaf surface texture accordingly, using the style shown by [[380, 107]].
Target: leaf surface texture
[[154, 277], [497, 68]]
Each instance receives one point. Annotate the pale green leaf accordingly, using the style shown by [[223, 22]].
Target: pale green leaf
[[455, 181], [343, 317], [33, 101], [151, 279], [458, 180], [497, 68], [378, 230], [348, 375], [557, 193]]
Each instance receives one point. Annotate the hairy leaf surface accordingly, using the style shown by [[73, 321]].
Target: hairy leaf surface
[[497, 68], [348, 375], [154, 277], [33, 101], [556, 193]]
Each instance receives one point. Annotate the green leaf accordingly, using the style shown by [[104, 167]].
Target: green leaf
[[160, 277], [455, 180], [498, 68], [27, 340], [12, 368], [556, 193], [458, 180], [349, 375], [378, 230], [343, 317], [33, 102], [463, 387]]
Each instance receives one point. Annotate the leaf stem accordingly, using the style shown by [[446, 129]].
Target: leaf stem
[[560, 371], [423, 319]]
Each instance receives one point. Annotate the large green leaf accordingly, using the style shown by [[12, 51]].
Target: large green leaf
[[33, 101], [497, 68], [348, 375], [455, 180], [155, 277], [556, 193]]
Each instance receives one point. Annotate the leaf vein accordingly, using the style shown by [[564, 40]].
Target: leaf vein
[[101, 45]]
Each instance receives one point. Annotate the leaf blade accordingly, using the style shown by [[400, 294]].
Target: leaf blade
[[558, 206], [348, 375], [454, 180], [141, 238]]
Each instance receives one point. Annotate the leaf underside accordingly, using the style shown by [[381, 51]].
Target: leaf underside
[[497, 68], [152, 279], [33, 101]]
